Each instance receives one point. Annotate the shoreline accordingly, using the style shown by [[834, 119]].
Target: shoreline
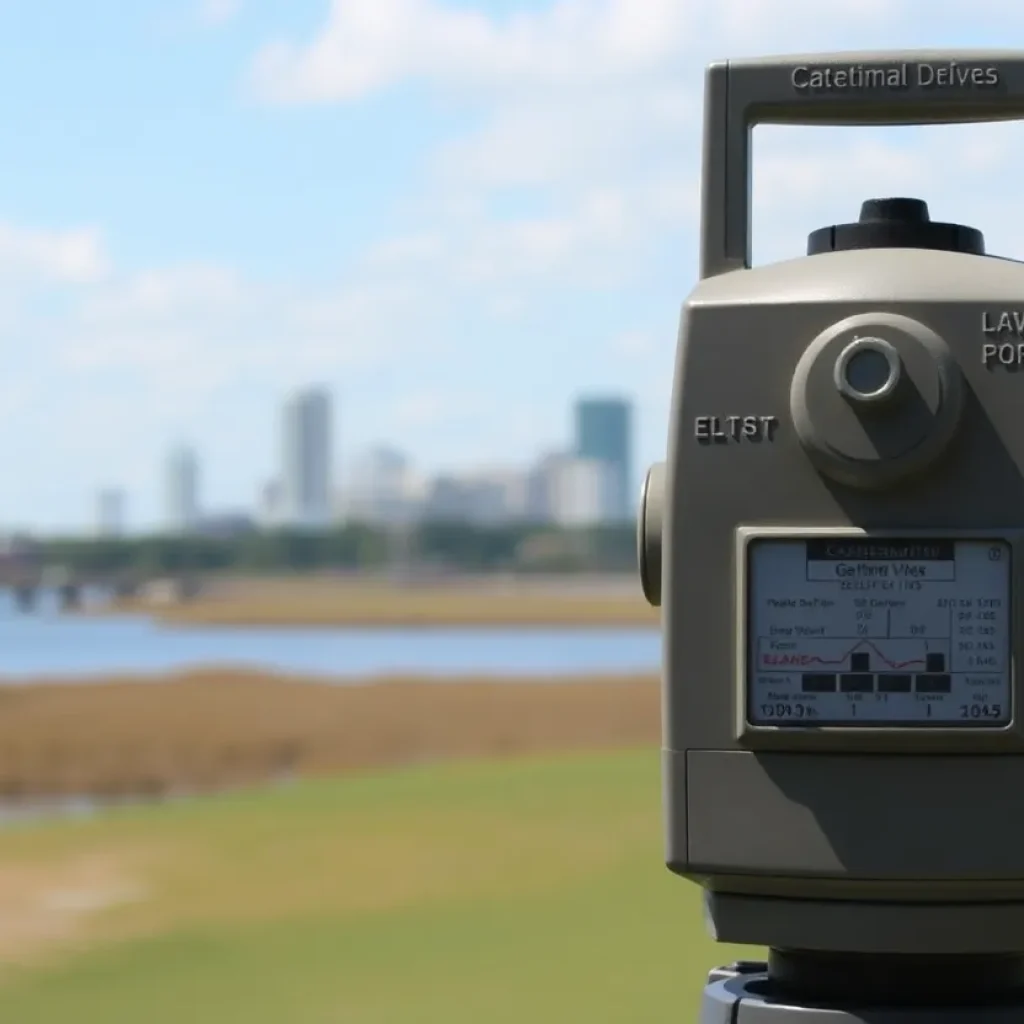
[[487, 604]]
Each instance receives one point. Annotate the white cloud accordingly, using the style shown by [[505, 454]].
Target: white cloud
[[192, 329], [398, 251], [366, 45], [370, 45], [576, 170], [102, 374], [148, 347], [74, 256], [218, 12], [541, 141], [594, 107], [596, 94], [174, 291], [570, 184]]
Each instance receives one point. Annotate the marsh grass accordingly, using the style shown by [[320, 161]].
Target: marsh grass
[[219, 729]]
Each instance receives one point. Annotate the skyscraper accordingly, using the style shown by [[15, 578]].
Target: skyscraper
[[604, 433], [306, 477], [182, 490], [110, 513]]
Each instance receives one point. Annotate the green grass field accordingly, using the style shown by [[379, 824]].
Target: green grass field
[[502, 892]]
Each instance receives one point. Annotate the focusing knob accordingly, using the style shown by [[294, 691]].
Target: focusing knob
[[896, 224], [876, 398], [650, 526]]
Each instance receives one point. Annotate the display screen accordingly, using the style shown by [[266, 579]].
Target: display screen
[[868, 632]]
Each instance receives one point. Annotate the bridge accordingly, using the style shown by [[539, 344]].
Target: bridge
[[27, 579]]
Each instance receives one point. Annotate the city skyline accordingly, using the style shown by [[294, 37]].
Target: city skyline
[[585, 479], [454, 215]]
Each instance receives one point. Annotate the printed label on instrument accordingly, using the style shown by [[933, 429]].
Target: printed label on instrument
[[856, 631]]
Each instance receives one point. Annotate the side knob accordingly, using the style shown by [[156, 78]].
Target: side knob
[[649, 529]]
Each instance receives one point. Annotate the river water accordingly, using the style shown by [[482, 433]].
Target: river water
[[48, 644]]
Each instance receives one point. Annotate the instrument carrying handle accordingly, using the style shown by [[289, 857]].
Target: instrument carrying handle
[[912, 87]]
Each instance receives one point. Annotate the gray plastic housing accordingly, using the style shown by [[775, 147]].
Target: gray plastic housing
[[888, 839]]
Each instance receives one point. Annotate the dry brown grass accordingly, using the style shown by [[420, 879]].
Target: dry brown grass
[[368, 603], [214, 729]]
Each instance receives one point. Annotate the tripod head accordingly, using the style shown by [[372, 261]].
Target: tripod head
[[837, 545]]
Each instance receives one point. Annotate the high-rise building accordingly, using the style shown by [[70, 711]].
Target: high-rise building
[[381, 488], [580, 492], [308, 453], [603, 432], [110, 512], [183, 490]]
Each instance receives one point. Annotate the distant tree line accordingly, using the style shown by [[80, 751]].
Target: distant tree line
[[455, 547]]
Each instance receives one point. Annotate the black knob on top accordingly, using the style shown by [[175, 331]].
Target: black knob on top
[[896, 224]]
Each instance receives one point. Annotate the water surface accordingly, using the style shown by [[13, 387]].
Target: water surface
[[48, 644]]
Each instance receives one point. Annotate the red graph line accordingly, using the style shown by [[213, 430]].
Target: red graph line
[[813, 659]]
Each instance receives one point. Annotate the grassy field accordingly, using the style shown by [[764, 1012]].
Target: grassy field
[[510, 891], [374, 603], [213, 729]]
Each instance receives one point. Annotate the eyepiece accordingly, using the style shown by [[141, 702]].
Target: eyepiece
[[868, 370]]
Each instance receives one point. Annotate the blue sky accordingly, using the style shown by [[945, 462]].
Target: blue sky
[[458, 215]]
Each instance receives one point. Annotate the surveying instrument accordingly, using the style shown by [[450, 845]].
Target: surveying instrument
[[836, 542]]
